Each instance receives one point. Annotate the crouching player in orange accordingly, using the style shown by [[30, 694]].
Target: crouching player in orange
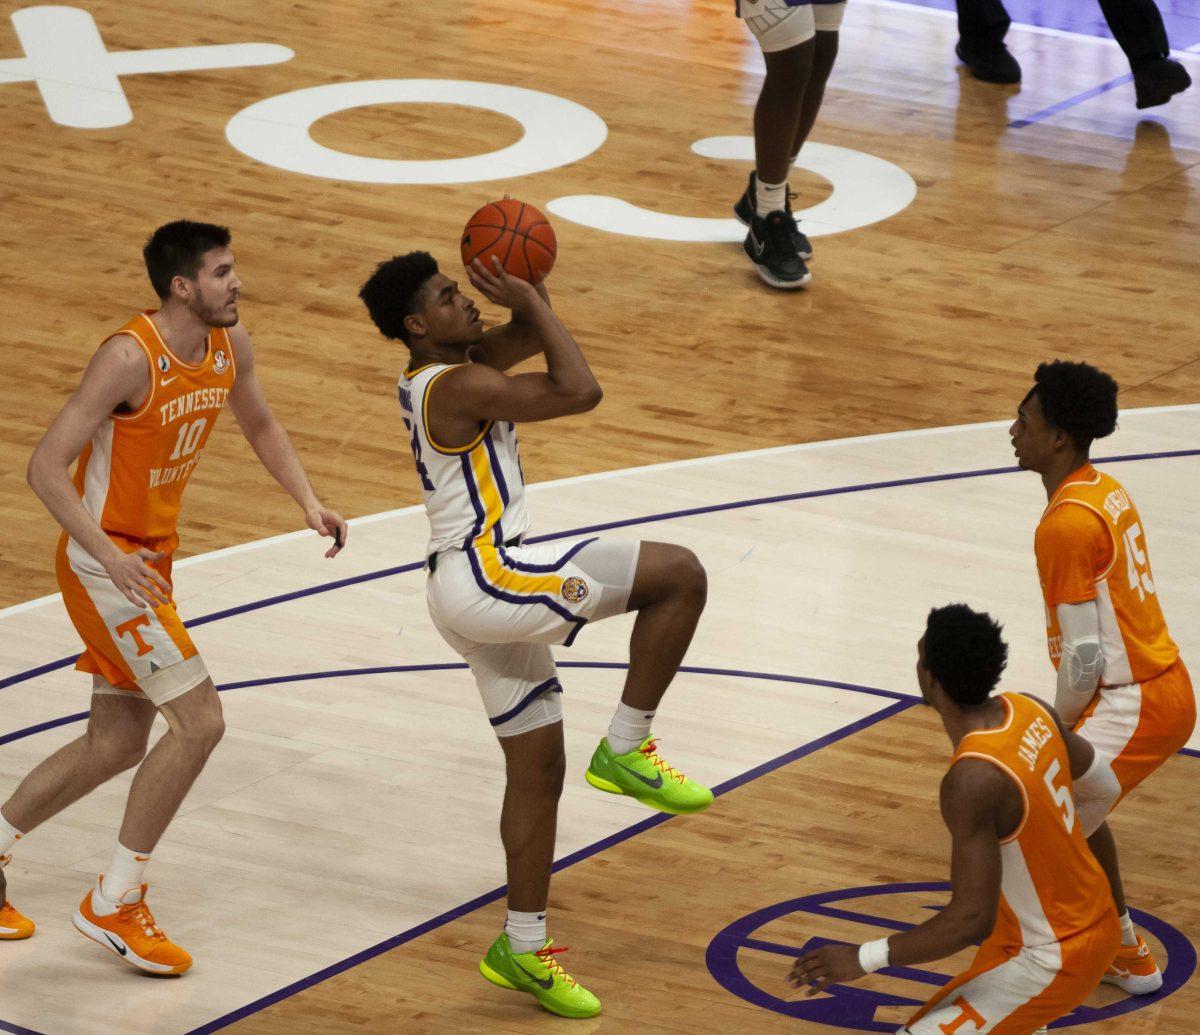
[[137, 423], [1023, 880], [1121, 683]]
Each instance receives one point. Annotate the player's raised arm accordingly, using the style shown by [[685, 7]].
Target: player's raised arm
[[117, 377], [505, 346], [479, 391], [970, 794], [273, 446]]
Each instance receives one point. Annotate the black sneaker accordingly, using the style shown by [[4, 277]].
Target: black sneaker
[[745, 210], [772, 248], [993, 65], [1158, 80]]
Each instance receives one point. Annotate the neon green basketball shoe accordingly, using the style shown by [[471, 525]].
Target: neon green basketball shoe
[[541, 975], [642, 774]]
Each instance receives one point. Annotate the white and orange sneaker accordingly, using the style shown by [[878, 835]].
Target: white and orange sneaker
[[132, 934], [13, 925], [1134, 970]]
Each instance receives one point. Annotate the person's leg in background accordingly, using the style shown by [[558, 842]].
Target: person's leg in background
[[1138, 27], [982, 25]]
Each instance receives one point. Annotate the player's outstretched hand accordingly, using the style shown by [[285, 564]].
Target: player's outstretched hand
[[331, 524], [132, 574], [828, 965], [501, 287]]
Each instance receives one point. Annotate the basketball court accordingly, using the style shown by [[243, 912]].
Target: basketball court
[[838, 458]]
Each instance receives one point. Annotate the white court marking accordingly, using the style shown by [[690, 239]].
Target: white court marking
[[385, 774]]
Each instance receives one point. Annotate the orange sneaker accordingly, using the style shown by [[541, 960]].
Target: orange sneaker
[[132, 934], [13, 925], [1134, 970]]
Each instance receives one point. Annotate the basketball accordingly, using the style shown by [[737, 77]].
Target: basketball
[[516, 233]]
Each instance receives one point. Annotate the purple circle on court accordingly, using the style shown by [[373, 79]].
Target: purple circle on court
[[849, 1006]]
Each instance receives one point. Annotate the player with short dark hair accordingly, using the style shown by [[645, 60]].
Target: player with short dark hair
[[501, 603], [138, 423], [1121, 682], [1018, 798]]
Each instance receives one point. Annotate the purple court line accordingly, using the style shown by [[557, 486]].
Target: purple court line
[[16, 1029], [441, 666], [1070, 102], [570, 860], [325, 587]]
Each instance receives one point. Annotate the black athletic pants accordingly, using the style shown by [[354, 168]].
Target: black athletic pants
[[1136, 25]]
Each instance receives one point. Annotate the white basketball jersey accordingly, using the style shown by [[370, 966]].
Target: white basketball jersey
[[474, 494]]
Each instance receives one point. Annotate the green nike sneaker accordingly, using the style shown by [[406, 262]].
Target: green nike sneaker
[[539, 974], [643, 775]]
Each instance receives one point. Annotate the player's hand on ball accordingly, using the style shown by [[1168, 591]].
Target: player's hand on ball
[[132, 574], [828, 965], [500, 287], [331, 524]]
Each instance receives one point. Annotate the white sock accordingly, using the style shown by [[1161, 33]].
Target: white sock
[[526, 931], [124, 875], [1128, 934], [629, 727], [9, 835], [769, 197]]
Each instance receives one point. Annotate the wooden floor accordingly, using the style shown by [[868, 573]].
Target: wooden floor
[[1074, 235]]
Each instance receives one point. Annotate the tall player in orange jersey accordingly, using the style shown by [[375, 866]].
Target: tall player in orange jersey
[[1018, 799], [138, 423], [1121, 682]]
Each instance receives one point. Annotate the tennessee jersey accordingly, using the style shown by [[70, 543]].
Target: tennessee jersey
[[1053, 888], [132, 474], [474, 494], [131, 478], [1056, 926], [1091, 545]]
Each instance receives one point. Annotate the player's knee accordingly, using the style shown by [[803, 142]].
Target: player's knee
[[202, 732], [118, 751], [538, 775], [691, 578]]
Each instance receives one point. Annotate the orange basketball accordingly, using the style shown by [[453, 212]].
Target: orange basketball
[[517, 233]]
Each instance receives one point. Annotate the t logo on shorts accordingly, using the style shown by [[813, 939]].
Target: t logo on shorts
[[130, 628], [969, 1013]]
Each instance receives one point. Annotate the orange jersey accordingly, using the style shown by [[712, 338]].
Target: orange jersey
[[1052, 887], [1090, 545], [131, 476]]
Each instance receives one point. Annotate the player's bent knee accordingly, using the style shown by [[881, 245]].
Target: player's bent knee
[[690, 573]]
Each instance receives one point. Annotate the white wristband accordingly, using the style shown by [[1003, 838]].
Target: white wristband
[[873, 956]]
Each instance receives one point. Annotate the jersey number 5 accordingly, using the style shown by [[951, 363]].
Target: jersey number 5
[[1062, 795], [1136, 565]]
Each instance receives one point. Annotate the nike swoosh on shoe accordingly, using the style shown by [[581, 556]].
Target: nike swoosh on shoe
[[544, 983], [656, 783]]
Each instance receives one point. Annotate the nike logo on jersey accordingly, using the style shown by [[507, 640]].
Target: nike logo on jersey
[[167, 380], [116, 944], [656, 783], [546, 983]]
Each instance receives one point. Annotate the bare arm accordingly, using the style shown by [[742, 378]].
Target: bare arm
[[273, 446], [505, 346], [971, 793], [118, 375], [481, 392]]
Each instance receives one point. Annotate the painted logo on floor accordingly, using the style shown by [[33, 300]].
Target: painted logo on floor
[[856, 1007]]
